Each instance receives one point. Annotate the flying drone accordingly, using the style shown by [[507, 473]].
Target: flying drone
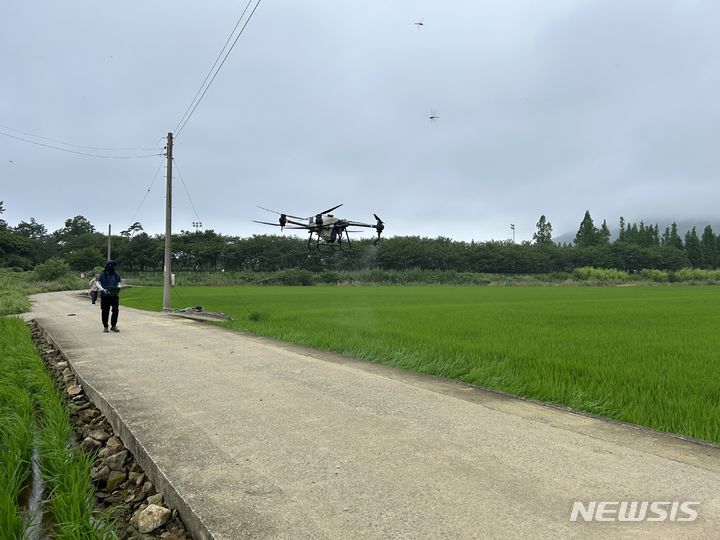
[[325, 229]]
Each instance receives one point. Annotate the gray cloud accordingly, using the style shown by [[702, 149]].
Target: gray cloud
[[545, 108]]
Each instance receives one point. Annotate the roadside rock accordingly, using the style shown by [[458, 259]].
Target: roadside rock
[[115, 479], [87, 414], [116, 461], [122, 485], [99, 435], [155, 499], [152, 517], [101, 473], [114, 445], [90, 445]]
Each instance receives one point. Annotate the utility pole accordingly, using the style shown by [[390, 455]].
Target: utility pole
[[512, 226], [109, 241], [168, 226]]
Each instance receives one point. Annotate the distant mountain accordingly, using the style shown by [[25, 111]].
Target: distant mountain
[[683, 226]]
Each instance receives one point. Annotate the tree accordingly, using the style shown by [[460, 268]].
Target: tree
[[587, 235], [543, 236], [84, 259], [644, 235], [671, 238], [32, 230], [132, 230], [77, 234], [75, 227], [143, 253], [693, 249], [708, 247], [604, 233], [15, 250]]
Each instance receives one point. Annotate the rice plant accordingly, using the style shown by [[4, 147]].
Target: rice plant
[[16, 421], [33, 413], [641, 354], [66, 471]]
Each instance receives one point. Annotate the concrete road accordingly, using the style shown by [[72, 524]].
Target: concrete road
[[249, 437]]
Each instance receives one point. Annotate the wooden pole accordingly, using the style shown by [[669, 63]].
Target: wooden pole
[[168, 226]]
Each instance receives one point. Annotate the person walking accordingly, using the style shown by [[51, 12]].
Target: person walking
[[109, 285], [94, 289]]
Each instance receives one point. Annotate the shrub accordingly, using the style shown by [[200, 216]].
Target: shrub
[[293, 276], [660, 276], [696, 274], [329, 276], [590, 273], [51, 270]]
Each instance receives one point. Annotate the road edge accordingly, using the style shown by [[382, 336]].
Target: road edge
[[193, 523]]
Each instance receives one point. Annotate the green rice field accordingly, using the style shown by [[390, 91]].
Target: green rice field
[[641, 354]]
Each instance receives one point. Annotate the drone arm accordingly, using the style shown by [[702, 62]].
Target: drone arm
[[358, 224], [302, 225], [266, 223]]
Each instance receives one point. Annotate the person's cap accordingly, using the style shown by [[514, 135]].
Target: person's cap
[[110, 263]]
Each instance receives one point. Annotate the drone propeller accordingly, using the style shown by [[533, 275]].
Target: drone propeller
[[266, 223], [330, 209], [281, 213], [379, 226], [283, 223], [318, 217]]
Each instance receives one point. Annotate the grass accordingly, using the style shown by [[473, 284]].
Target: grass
[[16, 286], [16, 417], [33, 413], [645, 355], [66, 472]]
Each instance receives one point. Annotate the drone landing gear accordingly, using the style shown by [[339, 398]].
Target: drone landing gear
[[336, 244]]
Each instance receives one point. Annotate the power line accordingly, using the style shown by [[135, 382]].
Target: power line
[[132, 219], [75, 151], [75, 145], [214, 64], [186, 189], [184, 120]]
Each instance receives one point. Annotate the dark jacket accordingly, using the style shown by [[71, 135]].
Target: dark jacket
[[110, 281]]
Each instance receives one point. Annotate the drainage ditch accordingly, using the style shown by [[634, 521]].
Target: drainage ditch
[[119, 485]]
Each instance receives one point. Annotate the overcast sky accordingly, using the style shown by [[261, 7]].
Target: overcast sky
[[552, 107]]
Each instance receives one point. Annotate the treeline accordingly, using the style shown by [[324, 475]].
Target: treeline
[[637, 247]]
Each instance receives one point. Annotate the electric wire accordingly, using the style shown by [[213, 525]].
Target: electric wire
[[121, 148], [186, 190], [132, 219], [75, 151], [214, 64], [183, 123]]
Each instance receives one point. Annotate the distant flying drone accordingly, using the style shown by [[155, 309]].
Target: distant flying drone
[[324, 228], [433, 116], [419, 23]]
